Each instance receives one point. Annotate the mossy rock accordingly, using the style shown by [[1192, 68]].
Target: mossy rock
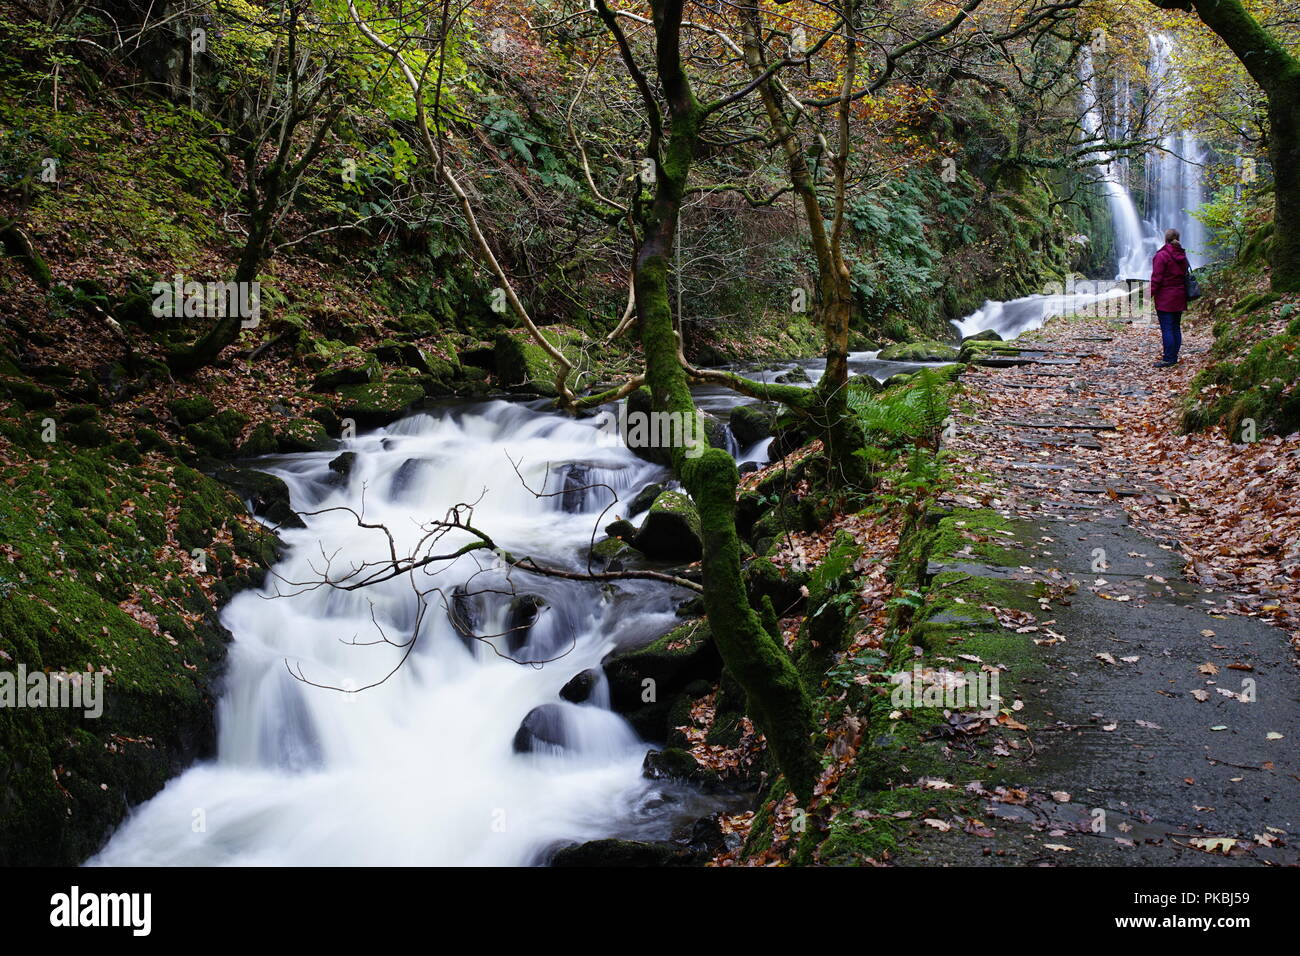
[[378, 403], [189, 411], [645, 683], [89, 433], [610, 553], [217, 435], [750, 424], [303, 434], [523, 365], [261, 441], [929, 351], [27, 393], [988, 335], [671, 529], [266, 495], [88, 533]]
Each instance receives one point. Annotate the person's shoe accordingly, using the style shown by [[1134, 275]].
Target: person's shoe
[[1163, 364]]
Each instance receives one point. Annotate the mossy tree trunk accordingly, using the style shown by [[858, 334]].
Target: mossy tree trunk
[[835, 305], [776, 697], [1277, 72]]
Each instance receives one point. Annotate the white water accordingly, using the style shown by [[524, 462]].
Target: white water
[[1130, 244], [1175, 175], [1175, 187], [421, 769]]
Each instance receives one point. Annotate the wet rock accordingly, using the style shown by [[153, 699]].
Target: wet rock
[[644, 684], [520, 619], [266, 495], [751, 423], [542, 729], [988, 335], [624, 853], [405, 476], [622, 530], [644, 499], [577, 478], [671, 529], [611, 553], [463, 615], [341, 468], [672, 763], [578, 689]]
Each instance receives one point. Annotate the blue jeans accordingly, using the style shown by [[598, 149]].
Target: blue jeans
[[1171, 334]]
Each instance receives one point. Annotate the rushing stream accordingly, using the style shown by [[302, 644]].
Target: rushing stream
[[421, 769]]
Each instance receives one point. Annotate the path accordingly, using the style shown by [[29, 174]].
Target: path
[[1157, 730]]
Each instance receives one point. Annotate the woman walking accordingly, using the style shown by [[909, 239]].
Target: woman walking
[[1169, 290]]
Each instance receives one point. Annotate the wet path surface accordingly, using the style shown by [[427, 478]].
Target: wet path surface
[[1156, 730]]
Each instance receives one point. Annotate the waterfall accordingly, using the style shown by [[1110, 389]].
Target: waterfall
[[1175, 181], [1130, 241], [424, 767]]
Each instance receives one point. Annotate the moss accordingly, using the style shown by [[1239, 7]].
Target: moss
[[919, 352], [302, 434], [1263, 386], [378, 403], [261, 441], [189, 411], [975, 535], [95, 582]]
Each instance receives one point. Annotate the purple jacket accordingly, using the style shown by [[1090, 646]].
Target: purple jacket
[[1169, 278]]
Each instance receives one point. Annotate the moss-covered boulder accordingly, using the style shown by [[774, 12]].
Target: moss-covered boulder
[[523, 365], [303, 434], [919, 352], [378, 403], [189, 411], [750, 424], [217, 435], [267, 496], [645, 684], [671, 529]]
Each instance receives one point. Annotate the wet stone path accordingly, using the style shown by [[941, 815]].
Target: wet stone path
[[1139, 724]]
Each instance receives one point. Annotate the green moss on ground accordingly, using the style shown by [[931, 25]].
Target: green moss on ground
[[98, 576]]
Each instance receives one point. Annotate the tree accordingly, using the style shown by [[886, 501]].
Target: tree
[[777, 698], [284, 119], [1277, 72]]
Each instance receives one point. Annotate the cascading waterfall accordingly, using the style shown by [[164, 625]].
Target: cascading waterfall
[[423, 769], [1174, 184], [1175, 180], [1130, 240]]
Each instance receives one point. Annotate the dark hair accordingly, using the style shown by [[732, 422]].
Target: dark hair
[[1171, 235]]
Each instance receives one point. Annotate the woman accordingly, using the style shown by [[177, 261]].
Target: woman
[[1169, 291]]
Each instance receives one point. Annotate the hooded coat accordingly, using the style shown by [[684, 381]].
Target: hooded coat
[[1169, 278]]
